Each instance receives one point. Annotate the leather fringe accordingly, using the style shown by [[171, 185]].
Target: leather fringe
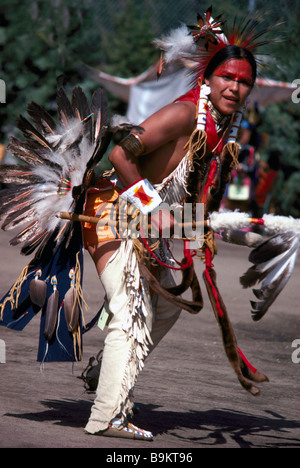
[[197, 145]]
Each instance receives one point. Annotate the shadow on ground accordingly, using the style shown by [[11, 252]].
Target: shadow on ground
[[208, 428]]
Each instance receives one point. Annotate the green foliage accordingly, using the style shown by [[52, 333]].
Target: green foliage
[[127, 47], [41, 41]]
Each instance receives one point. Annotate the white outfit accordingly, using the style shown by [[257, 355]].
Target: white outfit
[[137, 322]]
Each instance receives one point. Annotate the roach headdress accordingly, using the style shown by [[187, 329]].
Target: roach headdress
[[195, 46]]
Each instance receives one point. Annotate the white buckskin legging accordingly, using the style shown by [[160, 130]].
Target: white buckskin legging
[[136, 326]]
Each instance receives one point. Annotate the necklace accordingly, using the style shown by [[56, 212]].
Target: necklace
[[220, 120]]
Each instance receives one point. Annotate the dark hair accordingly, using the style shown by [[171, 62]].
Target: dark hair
[[227, 53]]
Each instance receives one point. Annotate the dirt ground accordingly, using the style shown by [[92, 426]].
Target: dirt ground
[[188, 394]]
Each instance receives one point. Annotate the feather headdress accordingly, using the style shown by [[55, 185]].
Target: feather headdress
[[196, 45]]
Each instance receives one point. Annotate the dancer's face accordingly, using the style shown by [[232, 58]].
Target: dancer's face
[[231, 84]]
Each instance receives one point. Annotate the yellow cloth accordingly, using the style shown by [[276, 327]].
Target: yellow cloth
[[100, 202]]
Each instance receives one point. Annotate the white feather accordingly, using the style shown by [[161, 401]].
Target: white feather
[[46, 200], [289, 257], [65, 136], [276, 224], [228, 220], [178, 44]]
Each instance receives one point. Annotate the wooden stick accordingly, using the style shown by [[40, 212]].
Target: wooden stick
[[114, 222], [110, 222]]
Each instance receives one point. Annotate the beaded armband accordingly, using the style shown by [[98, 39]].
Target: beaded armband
[[133, 144], [142, 195]]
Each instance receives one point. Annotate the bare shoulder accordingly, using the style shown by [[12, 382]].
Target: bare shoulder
[[184, 112], [176, 117]]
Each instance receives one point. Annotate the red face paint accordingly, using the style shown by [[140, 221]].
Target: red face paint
[[230, 85], [237, 70]]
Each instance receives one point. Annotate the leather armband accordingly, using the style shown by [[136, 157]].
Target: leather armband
[[142, 195], [133, 144]]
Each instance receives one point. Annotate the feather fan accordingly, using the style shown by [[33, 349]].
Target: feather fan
[[55, 159], [273, 263]]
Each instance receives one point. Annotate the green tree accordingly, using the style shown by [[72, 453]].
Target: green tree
[[41, 41], [127, 48]]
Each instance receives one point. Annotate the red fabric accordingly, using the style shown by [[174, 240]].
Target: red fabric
[[264, 186], [192, 95], [186, 263], [131, 185], [212, 135], [208, 261]]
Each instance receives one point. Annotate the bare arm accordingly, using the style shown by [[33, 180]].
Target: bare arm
[[168, 125]]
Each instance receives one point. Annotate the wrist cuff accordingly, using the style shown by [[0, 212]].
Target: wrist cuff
[[142, 195]]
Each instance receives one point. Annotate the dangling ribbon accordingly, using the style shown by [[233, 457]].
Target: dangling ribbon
[[188, 255]]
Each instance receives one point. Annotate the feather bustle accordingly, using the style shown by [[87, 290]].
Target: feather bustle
[[42, 119]]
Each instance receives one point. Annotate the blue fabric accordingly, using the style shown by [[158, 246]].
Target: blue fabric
[[51, 261]]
